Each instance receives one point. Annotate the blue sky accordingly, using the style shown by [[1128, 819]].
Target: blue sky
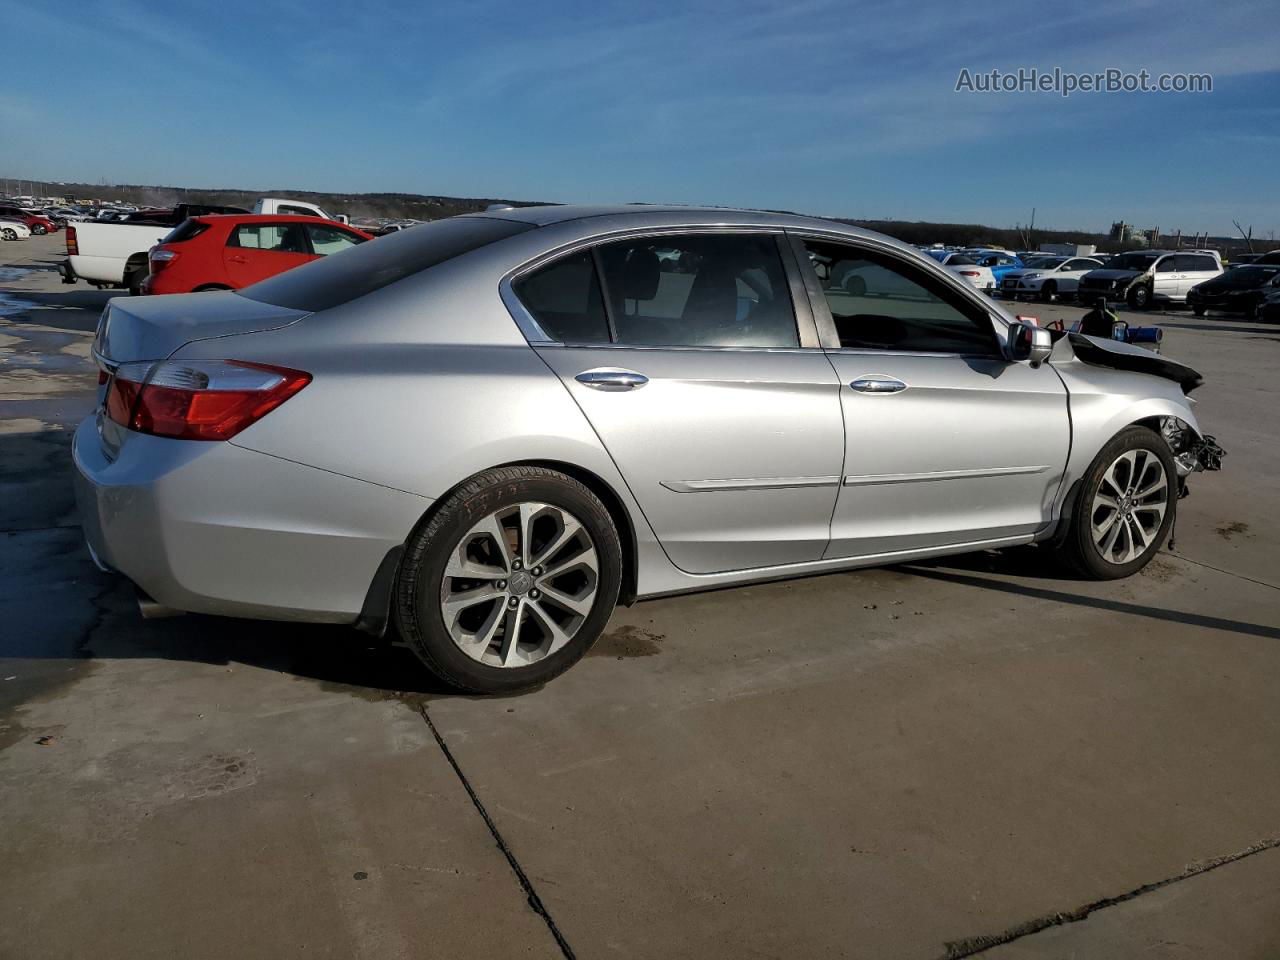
[[819, 106]]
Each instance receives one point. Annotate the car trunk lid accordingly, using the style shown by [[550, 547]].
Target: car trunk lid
[[152, 328]]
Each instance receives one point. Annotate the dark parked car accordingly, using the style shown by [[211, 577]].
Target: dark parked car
[[1238, 290], [1267, 309], [1270, 259]]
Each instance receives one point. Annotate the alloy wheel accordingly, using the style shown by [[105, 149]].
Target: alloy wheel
[[1129, 506], [519, 584]]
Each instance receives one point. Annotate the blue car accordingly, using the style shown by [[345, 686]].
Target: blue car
[[999, 261]]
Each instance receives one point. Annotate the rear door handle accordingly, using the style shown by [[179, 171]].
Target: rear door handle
[[612, 379], [878, 384], [237, 260]]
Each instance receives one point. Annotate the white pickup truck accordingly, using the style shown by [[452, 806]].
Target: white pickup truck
[[296, 208], [114, 253]]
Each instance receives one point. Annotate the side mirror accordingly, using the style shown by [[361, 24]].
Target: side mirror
[[1030, 343]]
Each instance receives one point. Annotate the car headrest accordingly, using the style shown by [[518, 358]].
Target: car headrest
[[641, 274]]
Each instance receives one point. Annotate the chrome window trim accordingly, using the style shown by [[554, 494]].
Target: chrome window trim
[[538, 337], [560, 345]]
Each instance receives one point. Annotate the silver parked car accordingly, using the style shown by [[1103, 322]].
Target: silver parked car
[[486, 431]]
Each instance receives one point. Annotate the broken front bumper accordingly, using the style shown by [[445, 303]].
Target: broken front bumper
[[1192, 452]]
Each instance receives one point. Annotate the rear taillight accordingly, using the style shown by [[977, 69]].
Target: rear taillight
[[970, 273], [198, 399], [161, 257], [1034, 321], [73, 247]]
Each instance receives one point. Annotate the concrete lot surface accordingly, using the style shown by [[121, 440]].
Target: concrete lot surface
[[968, 756]]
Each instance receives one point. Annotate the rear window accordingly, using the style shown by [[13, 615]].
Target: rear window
[[353, 273], [186, 230]]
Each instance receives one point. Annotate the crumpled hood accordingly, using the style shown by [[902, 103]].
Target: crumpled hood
[[1105, 274], [1103, 352]]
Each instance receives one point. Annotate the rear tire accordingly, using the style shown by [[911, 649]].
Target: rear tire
[[492, 616], [1123, 508], [1198, 311], [39, 230], [211, 286], [136, 278]]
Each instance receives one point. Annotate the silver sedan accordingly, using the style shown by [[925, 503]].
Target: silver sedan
[[485, 432]]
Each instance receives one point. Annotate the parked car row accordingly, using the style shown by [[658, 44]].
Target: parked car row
[[34, 222], [199, 247]]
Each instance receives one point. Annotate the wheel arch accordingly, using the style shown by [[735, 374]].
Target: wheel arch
[[375, 614]]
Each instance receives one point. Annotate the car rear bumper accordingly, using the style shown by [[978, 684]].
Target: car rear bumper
[[215, 528]]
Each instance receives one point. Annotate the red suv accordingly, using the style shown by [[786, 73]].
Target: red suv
[[232, 251], [37, 222]]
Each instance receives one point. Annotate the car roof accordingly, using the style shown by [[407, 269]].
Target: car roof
[[541, 216]]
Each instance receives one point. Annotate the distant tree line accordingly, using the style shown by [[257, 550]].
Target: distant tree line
[[416, 206]]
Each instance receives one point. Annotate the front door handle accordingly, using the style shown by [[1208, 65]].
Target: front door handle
[[612, 379], [237, 260], [878, 384]]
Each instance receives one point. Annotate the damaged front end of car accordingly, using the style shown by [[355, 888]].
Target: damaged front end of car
[[1192, 451]]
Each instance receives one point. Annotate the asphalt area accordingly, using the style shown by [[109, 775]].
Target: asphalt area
[[972, 755]]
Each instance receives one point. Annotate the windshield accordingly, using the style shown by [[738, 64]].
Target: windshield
[[1046, 263], [1133, 261]]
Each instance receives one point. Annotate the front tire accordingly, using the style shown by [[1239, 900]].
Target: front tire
[[9, 234], [1123, 508], [1049, 292], [511, 581], [1139, 297], [1198, 310]]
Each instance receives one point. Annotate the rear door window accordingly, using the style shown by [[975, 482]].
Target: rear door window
[[274, 237], [1196, 263], [699, 290]]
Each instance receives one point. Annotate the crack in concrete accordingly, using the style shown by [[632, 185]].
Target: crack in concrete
[[1229, 573], [535, 902], [971, 946]]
